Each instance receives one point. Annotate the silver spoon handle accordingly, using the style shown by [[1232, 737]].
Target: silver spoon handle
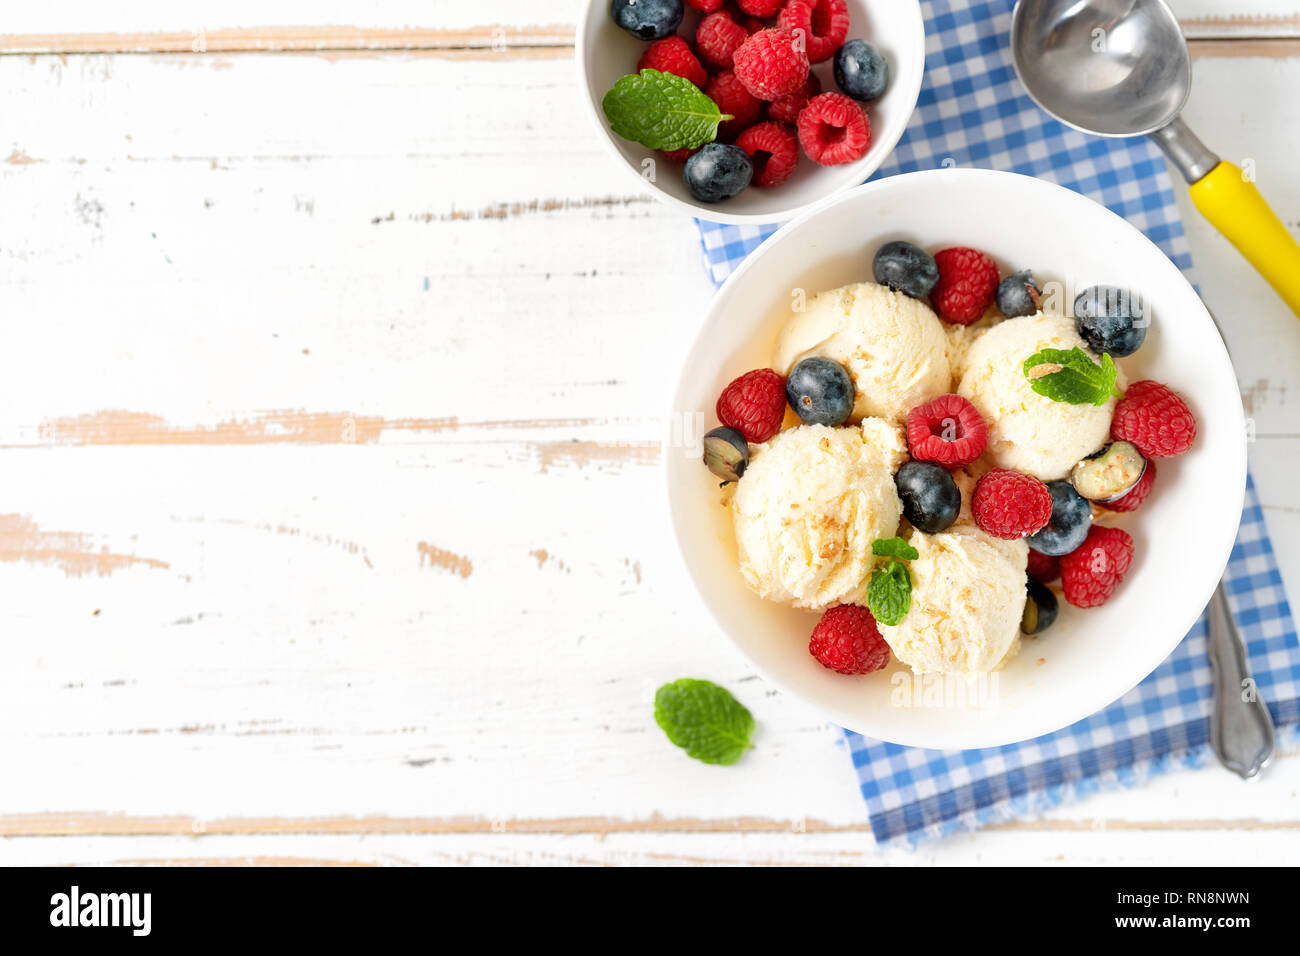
[[1241, 728]]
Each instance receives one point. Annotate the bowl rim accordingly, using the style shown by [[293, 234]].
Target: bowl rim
[[914, 78], [971, 737]]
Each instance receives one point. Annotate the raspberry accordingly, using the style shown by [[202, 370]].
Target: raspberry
[[771, 63], [968, 283], [825, 25], [760, 8], [773, 150], [1155, 420], [947, 430], [705, 6], [718, 37], [754, 404], [673, 55], [1091, 572], [679, 155], [1137, 495], [833, 130], [732, 97], [1010, 505], [785, 109], [1043, 567], [847, 641]]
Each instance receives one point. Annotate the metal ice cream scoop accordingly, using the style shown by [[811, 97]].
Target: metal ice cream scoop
[[1122, 68]]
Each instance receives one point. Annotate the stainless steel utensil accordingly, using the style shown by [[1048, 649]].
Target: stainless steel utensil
[[1241, 728], [1122, 68]]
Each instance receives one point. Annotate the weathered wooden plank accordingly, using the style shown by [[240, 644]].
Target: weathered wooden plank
[[1100, 847], [1223, 18], [494, 38], [120, 825], [283, 26], [191, 16]]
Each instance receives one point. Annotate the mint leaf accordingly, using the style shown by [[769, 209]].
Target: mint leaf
[[662, 111], [889, 594], [704, 720], [1072, 376], [894, 548]]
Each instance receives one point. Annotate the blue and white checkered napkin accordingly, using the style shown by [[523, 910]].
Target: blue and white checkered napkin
[[974, 112]]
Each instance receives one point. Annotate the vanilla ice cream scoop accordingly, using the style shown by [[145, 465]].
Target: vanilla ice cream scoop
[[808, 507], [968, 595], [1029, 432], [893, 347]]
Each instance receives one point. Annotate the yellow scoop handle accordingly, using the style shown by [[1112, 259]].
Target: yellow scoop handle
[[1236, 208]]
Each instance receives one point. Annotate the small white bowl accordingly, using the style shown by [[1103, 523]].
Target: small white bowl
[[1183, 533], [606, 52]]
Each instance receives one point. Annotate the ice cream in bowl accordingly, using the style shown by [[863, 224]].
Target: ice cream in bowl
[[956, 478]]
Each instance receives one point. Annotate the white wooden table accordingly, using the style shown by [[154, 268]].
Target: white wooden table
[[334, 360]]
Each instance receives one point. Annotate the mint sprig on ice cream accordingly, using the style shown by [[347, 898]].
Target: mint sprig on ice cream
[[1071, 376], [889, 593]]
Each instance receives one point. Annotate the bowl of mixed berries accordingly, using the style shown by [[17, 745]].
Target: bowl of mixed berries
[[748, 111], [957, 457]]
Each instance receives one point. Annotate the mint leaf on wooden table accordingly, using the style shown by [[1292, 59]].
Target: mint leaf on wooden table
[[889, 593], [704, 720], [662, 111], [894, 548], [1072, 376]]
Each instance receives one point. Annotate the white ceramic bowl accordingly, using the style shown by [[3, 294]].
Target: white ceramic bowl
[[1183, 533], [605, 52]]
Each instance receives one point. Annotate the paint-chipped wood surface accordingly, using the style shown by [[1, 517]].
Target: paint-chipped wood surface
[[336, 356]]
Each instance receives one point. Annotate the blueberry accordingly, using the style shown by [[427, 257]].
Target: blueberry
[[1040, 608], [1110, 319], [906, 268], [648, 19], [1109, 474], [860, 70], [726, 453], [1018, 294], [931, 499], [1068, 526], [820, 391], [718, 172]]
